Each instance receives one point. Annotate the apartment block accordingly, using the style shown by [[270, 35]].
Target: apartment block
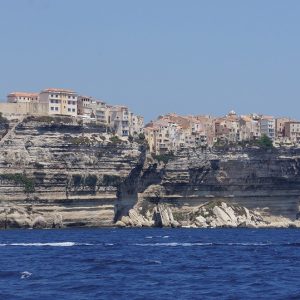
[[292, 131], [280, 125], [267, 126], [60, 101]]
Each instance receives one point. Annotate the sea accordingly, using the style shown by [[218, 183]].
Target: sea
[[150, 264]]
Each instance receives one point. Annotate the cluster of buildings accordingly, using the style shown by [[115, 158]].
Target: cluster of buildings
[[172, 132], [65, 102]]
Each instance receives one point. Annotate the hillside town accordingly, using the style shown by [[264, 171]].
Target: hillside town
[[168, 133]]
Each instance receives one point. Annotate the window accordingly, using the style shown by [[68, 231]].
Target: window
[[56, 108], [52, 108], [69, 102], [73, 109], [74, 102], [56, 96], [69, 109]]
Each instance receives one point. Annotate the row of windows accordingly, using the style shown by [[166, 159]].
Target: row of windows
[[71, 109], [58, 101], [56, 96], [26, 98], [54, 108]]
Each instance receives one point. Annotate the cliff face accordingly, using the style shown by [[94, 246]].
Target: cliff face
[[265, 181], [66, 171], [254, 178], [65, 174]]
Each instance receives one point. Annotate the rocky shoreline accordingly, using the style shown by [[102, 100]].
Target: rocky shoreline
[[209, 215]]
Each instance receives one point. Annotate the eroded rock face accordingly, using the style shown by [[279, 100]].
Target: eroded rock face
[[67, 172], [209, 215], [74, 175], [17, 216]]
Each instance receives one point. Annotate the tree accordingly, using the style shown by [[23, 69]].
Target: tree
[[265, 142]]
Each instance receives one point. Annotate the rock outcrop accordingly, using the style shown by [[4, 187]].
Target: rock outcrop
[[209, 215]]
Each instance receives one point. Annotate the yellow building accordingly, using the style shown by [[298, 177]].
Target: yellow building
[[60, 101]]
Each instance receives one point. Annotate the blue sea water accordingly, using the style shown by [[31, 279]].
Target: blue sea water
[[150, 264]]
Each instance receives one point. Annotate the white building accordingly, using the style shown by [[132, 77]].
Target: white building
[[118, 119], [267, 126], [22, 97]]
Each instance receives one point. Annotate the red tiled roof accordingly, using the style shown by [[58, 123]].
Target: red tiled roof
[[22, 94]]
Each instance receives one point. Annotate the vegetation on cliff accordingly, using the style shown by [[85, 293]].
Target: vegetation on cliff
[[20, 179], [264, 142], [165, 158]]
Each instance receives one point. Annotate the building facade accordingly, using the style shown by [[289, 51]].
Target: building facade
[[292, 131], [22, 97], [267, 126], [59, 101]]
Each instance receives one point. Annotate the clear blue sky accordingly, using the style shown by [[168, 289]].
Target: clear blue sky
[[157, 56]]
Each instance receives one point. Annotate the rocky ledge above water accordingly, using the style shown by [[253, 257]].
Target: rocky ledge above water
[[209, 215]]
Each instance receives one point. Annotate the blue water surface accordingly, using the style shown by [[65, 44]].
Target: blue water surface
[[150, 264]]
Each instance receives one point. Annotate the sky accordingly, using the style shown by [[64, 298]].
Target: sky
[[157, 56]]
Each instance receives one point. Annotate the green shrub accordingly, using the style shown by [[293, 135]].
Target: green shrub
[[164, 157], [265, 142], [79, 140], [115, 139], [20, 179]]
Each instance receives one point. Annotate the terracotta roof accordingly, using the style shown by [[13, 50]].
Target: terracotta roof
[[22, 94], [267, 117], [56, 90], [246, 118]]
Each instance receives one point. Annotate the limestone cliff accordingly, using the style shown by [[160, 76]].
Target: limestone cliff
[[59, 168], [56, 172]]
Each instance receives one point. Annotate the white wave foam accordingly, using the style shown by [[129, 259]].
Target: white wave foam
[[25, 274], [245, 244], [53, 244], [173, 244], [157, 236], [157, 262], [60, 244]]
